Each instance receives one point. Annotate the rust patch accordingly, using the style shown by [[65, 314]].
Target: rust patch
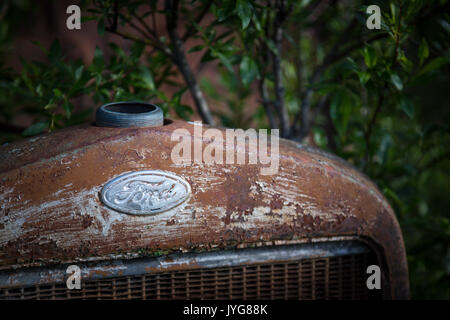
[[237, 189]]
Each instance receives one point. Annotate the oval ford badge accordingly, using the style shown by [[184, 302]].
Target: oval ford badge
[[145, 192]]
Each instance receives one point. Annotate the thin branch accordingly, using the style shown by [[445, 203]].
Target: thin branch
[[397, 36], [150, 31], [373, 119], [320, 107], [319, 9], [280, 17], [266, 102], [330, 130], [113, 24], [116, 13], [154, 20], [113, 29], [180, 60], [147, 42], [136, 27], [303, 115], [263, 92], [191, 30]]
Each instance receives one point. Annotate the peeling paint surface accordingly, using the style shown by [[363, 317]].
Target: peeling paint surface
[[51, 210]]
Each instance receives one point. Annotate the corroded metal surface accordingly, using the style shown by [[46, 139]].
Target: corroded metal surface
[[309, 271], [184, 261], [51, 210]]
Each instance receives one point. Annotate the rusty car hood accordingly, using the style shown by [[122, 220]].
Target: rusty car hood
[[51, 211]]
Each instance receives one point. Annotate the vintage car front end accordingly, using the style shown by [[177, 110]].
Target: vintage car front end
[[308, 231]]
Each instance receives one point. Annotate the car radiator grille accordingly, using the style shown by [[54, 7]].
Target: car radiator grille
[[336, 277]]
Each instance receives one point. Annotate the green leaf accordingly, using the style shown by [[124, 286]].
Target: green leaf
[[370, 57], [136, 49], [225, 11], [397, 82], [391, 195], [177, 96], [41, 46], [101, 27], [319, 136], [57, 93], [407, 107], [363, 77], [196, 48], [27, 81], [98, 62], [271, 46], [341, 105], [423, 51], [225, 61], [79, 72], [209, 88], [244, 10], [98, 79], [50, 106], [147, 78], [40, 90], [433, 65], [248, 70], [68, 107], [208, 56], [36, 128], [183, 111], [326, 88], [405, 62], [161, 95], [88, 18]]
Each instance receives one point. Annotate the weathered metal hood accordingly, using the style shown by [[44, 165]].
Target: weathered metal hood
[[51, 210]]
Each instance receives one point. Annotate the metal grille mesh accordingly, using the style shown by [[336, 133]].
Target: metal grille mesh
[[342, 277]]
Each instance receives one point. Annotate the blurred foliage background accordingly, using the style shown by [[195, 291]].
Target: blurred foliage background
[[377, 98]]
